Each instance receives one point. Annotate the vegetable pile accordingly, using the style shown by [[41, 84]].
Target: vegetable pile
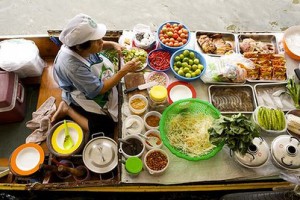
[[159, 60], [294, 91], [236, 131], [270, 118]]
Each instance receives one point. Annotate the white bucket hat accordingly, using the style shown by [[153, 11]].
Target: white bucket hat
[[80, 29]]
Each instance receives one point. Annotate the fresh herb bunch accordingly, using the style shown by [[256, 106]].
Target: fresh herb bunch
[[294, 91], [112, 55], [236, 131]]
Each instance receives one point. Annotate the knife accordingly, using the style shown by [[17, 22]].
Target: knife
[[141, 87]]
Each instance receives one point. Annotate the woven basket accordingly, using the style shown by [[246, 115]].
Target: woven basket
[[194, 106]]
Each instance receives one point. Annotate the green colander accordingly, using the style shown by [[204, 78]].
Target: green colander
[[191, 105]]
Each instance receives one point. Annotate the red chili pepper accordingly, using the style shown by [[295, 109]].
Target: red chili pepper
[[160, 60]]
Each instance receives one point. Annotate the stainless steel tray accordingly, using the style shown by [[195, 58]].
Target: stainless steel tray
[[258, 37], [273, 95], [231, 99], [227, 37]]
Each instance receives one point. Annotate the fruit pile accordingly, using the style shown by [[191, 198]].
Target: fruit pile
[[186, 64], [173, 35], [130, 54]]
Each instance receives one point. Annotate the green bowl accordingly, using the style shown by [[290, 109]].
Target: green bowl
[[191, 105]]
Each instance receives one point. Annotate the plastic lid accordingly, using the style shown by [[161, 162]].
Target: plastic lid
[[134, 165], [158, 93]]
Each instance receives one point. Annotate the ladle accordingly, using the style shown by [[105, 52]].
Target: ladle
[[124, 141]]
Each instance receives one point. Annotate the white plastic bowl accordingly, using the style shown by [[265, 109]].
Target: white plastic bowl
[[149, 114], [132, 101], [156, 159], [153, 139], [133, 124]]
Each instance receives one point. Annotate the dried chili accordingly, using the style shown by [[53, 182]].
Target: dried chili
[[159, 60]]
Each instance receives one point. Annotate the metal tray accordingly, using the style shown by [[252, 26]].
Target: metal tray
[[227, 37], [258, 37], [231, 99], [264, 96]]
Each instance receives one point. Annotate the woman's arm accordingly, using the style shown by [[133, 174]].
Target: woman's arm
[[115, 79]]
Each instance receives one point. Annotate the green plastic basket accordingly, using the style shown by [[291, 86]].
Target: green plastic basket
[[191, 105]]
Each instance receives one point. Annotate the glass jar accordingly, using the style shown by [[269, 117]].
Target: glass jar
[[158, 100]]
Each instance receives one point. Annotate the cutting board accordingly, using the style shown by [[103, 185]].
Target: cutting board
[[133, 80]]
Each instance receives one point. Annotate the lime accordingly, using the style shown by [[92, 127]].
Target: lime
[[188, 75], [194, 67], [176, 69], [200, 66], [177, 58], [192, 55], [186, 53], [186, 70], [191, 62], [196, 61], [178, 64], [184, 64], [197, 72], [185, 60], [193, 74], [180, 72], [181, 56]]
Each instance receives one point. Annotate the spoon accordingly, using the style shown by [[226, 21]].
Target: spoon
[[124, 141], [151, 140], [68, 142]]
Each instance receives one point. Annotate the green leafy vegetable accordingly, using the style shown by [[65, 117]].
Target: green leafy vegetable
[[112, 55], [236, 131], [294, 91]]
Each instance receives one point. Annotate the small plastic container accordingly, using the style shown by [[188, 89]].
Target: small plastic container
[[138, 104], [133, 165], [156, 161], [153, 139], [158, 100], [151, 120], [133, 124]]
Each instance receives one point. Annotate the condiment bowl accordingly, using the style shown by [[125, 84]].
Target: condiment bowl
[[153, 139], [132, 145], [133, 124], [156, 161], [138, 104], [151, 120]]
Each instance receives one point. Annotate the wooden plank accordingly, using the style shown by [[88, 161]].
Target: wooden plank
[[48, 85]]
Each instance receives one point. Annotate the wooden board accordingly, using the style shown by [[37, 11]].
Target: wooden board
[[133, 80]]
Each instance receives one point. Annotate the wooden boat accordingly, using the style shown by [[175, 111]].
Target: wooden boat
[[45, 180]]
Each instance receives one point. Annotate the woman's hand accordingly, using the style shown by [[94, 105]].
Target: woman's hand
[[132, 65]]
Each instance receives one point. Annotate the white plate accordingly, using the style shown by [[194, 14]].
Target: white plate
[[180, 90]]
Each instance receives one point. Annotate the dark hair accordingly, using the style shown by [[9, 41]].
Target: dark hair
[[82, 46]]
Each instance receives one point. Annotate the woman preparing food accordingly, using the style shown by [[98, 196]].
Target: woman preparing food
[[87, 79]]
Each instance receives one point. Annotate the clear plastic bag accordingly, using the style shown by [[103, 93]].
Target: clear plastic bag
[[230, 68], [143, 36], [22, 57]]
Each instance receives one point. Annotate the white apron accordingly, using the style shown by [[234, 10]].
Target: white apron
[[103, 70]]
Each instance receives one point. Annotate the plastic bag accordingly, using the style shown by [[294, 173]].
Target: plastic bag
[[228, 68], [22, 57], [143, 36]]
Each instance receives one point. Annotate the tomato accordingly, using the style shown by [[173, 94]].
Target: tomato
[[180, 26], [184, 41], [182, 35], [185, 31], [168, 25], [175, 35]]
